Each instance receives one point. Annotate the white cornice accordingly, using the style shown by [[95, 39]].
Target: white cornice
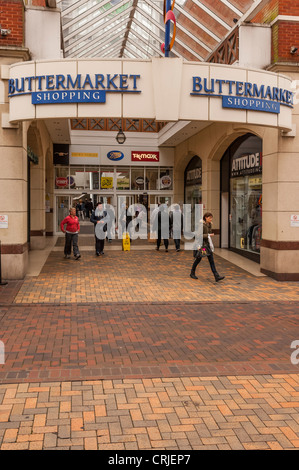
[[284, 18]]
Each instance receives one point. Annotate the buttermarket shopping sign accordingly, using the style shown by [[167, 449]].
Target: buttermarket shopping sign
[[81, 88], [143, 89]]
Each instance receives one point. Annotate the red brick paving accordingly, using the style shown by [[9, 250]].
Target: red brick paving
[[146, 276], [50, 342], [141, 357]]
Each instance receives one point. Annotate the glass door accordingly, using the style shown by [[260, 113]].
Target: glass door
[[62, 210]]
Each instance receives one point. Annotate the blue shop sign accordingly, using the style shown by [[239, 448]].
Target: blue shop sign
[[243, 95], [115, 155], [60, 88]]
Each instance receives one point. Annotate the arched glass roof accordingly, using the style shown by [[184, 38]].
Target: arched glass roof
[[135, 28]]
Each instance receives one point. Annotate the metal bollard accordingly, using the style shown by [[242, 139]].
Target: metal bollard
[[2, 283]]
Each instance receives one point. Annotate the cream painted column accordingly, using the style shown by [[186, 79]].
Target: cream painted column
[[13, 190], [211, 201], [280, 244], [49, 196], [37, 204]]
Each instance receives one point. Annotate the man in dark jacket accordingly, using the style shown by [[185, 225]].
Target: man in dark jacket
[[99, 218], [161, 226], [177, 225]]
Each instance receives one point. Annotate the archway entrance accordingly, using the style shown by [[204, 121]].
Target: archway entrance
[[241, 197]]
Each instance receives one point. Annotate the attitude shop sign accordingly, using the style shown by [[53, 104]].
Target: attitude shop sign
[[49, 89]]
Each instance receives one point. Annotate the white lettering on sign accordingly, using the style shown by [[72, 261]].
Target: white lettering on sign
[[194, 174], [145, 156]]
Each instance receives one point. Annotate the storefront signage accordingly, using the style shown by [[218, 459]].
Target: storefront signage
[[3, 221], [49, 89], [64, 181], [60, 154], [139, 180], [61, 182], [165, 181], [107, 182], [115, 155], [295, 220], [144, 156], [243, 95], [84, 155], [194, 176], [246, 164]]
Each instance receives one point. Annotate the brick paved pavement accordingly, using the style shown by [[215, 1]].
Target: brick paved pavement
[[107, 353], [146, 276], [191, 413]]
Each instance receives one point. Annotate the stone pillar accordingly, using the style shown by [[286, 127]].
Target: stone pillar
[[13, 198], [280, 239]]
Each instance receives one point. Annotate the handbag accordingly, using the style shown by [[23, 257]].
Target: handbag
[[201, 252]]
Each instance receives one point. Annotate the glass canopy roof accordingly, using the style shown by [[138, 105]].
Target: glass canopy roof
[[135, 28]]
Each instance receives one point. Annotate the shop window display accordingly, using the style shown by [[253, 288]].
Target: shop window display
[[107, 178], [123, 179], [246, 194], [193, 185], [246, 213], [92, 178], [166, 178], [152, 176], [77, 178], [137, 179]]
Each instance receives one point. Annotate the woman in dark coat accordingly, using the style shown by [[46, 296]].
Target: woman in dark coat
[[206, 232]]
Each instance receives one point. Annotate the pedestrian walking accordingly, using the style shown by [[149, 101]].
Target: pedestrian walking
[[111, 222], [71, 231], [100, 219], [81, 209], [206, 249], [125, 220], [161, 227], [176, 226]]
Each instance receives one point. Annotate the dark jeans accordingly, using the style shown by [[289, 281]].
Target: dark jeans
[[99, 245], [166, 243], [71, 239], [211, 261], [177, 242]]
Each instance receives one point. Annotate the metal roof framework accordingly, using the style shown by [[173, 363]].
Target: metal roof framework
[[135, 28]]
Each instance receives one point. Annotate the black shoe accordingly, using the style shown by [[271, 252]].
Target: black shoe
[[97, 253], [192, 275], [78, 256], [102, 253], [218, 277]]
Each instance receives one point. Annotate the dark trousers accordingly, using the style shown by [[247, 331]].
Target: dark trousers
[[177, 242], [71, 239], [166, 242], [211, 261], [99, 245]]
